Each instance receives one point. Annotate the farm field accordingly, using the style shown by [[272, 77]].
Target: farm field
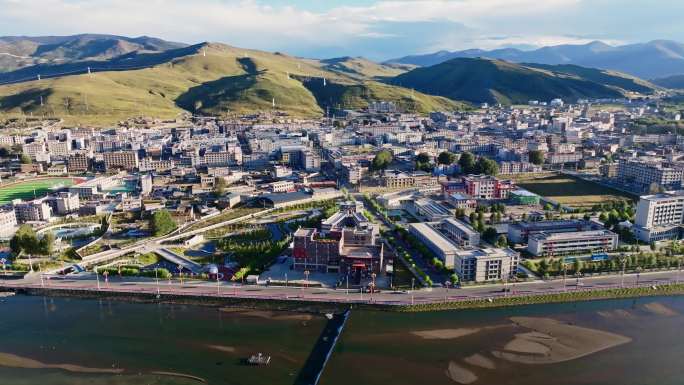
[[25, 189], [572, 191]]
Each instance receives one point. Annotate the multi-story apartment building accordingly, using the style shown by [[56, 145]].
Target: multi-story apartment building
[[644, 172], [149, 164], [126, 160], [487, 187], [398, 179], [460, 233], [59, 149], [660, 216], [282, 186], [78, 162], [555, 244], [32, 211], [34, 149], [8, 223], [511, 168], [66, 203]]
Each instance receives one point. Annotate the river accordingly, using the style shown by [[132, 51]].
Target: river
[[72, 341]]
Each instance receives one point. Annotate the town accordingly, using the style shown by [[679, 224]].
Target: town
[[370, 200]]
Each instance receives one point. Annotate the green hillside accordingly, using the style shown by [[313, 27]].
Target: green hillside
[[359, 67], [203, 79], [495, 81]]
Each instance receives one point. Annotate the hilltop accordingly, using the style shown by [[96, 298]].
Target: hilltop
[[481, 80], [18, 52]]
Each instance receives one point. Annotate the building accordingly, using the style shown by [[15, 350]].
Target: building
[[121, 160], [66, 203], [645, 172], [146, 184], [486, 264], [523, 197], [8, 224], [660, 216], [568, 243], [397, 179], [78, 162], [346, 244], [281, 186], [472, 264], [461, 233], [34, 211], [427, 208], [519, 232], [487, 187], [512, 168]]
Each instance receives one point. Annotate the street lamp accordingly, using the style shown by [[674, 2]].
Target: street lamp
[[97, 277], [624, 265], [679, 270], [446, 290], [156, 278], [306, 278]]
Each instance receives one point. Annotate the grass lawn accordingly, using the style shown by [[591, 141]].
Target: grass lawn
[[571, 191], [25, 190]]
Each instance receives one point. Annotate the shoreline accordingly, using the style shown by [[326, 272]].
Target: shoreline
[[322, 307]]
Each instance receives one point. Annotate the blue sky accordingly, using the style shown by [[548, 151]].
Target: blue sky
[[377, 29]]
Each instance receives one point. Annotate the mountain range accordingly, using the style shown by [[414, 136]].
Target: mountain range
[[205, 78], [655, 59], [100, 79], [480, 80]]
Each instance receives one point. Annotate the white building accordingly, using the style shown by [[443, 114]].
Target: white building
[[8, 224], [554, 244], [660, 216]]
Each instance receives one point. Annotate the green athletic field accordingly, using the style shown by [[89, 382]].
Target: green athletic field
[[25, 190]]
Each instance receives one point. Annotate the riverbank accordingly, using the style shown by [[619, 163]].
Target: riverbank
[[320, 306]]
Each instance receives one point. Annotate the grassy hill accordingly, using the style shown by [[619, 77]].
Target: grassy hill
[[495, 81], [675, 82], [204, 79]]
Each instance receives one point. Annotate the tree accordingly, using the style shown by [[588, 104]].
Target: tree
[[467, 163], [219, 185], [161, 223], [5, 152], [577, 266], [486, 166], [446, 157], [25, 241], [47, 244], [25, 159], [536, 157], [502, 241], [382, 160], [423, 162], [489, 235]]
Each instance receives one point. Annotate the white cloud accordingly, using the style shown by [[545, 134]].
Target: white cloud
[[379, 29]]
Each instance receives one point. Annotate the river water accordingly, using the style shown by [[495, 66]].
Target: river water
[[54, 341]]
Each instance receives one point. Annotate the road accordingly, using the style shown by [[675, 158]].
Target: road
[[88, 281]]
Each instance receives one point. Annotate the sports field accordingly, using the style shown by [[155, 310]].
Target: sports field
[[572, 191], [25, 190]]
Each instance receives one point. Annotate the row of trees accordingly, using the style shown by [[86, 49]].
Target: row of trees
[[469, 165], [557, 267]]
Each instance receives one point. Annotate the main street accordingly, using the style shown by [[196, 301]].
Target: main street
[[91, 282]]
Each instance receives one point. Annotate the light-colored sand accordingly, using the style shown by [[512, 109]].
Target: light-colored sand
[[279, 316], [221, 348], [181, 375], [561, 342], [14, 361], [660, 309], [617, 313], [527, 343], [445, 334], [460, 374], [480, 361]]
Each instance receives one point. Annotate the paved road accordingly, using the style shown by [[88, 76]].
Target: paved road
[[87, 281]]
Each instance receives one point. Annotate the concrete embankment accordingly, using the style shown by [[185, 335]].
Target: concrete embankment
[[328, 306]]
